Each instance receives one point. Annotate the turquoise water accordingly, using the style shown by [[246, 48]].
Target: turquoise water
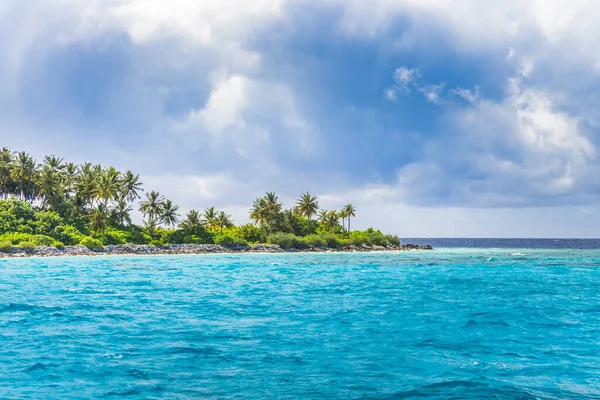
[[463, 324]]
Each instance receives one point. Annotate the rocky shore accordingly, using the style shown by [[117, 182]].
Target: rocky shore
[[134, 249]]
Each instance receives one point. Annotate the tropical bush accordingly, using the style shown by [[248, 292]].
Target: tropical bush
[[392, 240], [91, 243], [27, 246], [156, 243], [59, 245], [16, 237], [230, 241], [315, 241], [67, 234], [332, 240], [5, 247], [287, 241]]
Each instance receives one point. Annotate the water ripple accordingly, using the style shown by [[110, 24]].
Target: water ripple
[[450, 324]]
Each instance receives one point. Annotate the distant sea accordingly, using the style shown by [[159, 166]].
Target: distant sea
[[492, 243], [453, 323]]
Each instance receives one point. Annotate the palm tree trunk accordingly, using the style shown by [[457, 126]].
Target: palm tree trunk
[[348, 226]]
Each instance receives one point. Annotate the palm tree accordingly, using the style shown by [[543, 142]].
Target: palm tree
[[223, 221], [151, 224], [343, 215], [109, 184], [258, 212], [192, 221], [130, 186], [49, 185], [168, 214], [350, 212], [307, 205], [6, 181], [86, 184], [290, 222], [209, 217], [323, 216], [54, 163], [99, 219], [121, 212], [328, 219], [152, 206], [23, 171]]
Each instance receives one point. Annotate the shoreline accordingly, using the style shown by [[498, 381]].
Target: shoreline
[[183, 249]]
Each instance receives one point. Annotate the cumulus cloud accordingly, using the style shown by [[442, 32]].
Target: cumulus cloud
[[218, 101], [520, 151]]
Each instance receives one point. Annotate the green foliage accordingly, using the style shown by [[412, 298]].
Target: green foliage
[[45, 222], [230, 241], [59, 245], [15, 214], [248, 232], [67, 234], [5, 247], [392, 240], [332, 240], [91, 243], [27, 246], [287, 241], [315, 241], [156, 243], [368, 237], [42, 240]]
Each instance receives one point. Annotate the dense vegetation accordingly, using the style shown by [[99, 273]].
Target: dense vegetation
[[55, 203]]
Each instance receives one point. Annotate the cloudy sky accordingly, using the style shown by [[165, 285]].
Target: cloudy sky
[[434, 117]]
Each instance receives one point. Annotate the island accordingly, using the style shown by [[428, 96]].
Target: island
[[54, 208]]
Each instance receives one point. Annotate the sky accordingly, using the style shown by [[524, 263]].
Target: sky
[[436, 118]]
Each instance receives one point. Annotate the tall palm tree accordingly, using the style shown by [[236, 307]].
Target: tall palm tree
[[109, 184], [152, 205], [209, 218], [23, 172], [343, 214], [350, 211], [54, 163], [259, 212], [86, 184], [131, 186], [121, 212], [307, 205], [272, 209], [192, 221], [48, 182], [223, 221], [328, 220], [99, 219], [6, 180], [168, 214]]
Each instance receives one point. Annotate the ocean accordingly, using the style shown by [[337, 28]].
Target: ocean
[[453, 323]]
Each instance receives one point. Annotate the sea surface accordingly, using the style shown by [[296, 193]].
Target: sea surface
[[445, 324]]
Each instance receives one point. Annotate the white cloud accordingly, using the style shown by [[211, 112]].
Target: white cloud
[[469, 95], [433, 93], [517, 152], [243, 113]]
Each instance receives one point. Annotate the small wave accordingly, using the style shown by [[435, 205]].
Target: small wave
[[136, 373], [19, 307], [517, 254], [39, 367], [112, 356], [464, 389]]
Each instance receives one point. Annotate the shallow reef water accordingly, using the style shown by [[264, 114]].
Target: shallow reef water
[[443, 324]]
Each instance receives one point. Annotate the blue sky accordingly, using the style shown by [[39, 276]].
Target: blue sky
[[436, 118]]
